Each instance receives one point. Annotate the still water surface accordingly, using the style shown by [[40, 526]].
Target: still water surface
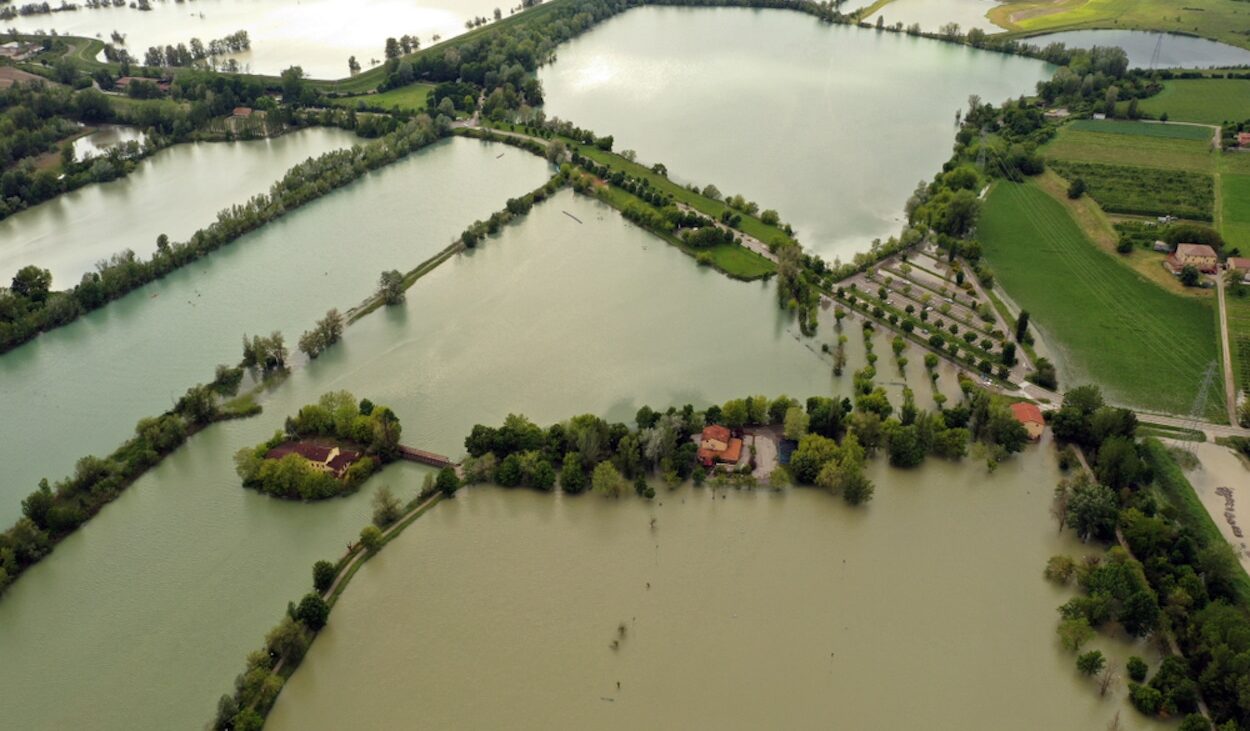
[[145, 615], [926, 610], [80, 389], [317, 35], [1175, 51], [832, 126], [175, 192]]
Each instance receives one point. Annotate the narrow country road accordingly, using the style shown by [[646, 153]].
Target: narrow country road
[[1230, 386]]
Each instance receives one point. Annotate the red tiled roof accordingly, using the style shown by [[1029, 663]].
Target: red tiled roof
[[1027, 413], [717, 432]]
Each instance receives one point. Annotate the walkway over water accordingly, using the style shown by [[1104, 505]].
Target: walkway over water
[[412, 454]]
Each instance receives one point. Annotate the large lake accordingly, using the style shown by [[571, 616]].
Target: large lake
[[80, 389], [926, 610], [317, 35], [145, 615], [175, 192], [832, 126]]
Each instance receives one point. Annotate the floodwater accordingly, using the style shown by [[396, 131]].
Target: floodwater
[[145, 616], [832, 126], [104, 137], [926, 609], [317, 35], [175, 192], [1220, 469], [1175, 51], [933, 14], [80, 389]]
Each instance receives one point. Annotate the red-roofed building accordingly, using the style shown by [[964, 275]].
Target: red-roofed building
[[718, 445], [1031, 417], [334, 460], [1243, 139], [242, 111]]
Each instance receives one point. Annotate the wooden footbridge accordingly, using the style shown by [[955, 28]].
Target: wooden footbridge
[[412, 454]]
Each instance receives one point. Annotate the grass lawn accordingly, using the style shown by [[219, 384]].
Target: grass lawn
[[409, 98], [737, 261], [1143, 129], [1235, 211], [750, 225], [1210, 101], [1222, 20], [1144, 346], [1074, 143]]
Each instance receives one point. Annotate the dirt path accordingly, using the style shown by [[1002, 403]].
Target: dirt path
[[1230, 386]]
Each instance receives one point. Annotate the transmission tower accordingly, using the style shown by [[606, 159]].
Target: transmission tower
[[1199, 408], [1154, 57]]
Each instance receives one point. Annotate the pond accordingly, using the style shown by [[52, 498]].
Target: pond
[[1174, 51], [742, 610], [145, 615], [101, 139], [317, 35], [175, 192], [80, 389], [832, 126], [933, 14]]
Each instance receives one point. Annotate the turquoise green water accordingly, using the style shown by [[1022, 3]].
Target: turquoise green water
[[833, 126], [146, 614], [80, 389]]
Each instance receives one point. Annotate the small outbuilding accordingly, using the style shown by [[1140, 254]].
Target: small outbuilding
[[242, 111], [1162, 247], [1243, 140], [1031, 417]]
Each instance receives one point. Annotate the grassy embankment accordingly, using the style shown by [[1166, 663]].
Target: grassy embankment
[[1221, 20], [735, 261], [1145, 346], [409, 98]]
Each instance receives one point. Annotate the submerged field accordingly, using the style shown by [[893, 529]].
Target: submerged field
[[742, 610], [1217, 19], [1114, 327]]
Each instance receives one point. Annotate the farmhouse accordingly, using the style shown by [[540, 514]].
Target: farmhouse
[[327, 458], [1243, 140], [1241, 264], [242, 112], [1200, 256], [717, 444], [1031, 417]]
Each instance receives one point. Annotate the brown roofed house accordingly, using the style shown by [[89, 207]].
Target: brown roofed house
[[1031, 417], [717, 444]]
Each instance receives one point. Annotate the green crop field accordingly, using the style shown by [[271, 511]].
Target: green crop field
[[1223, 20], [1143, 345], [1209, 101], [1072, 143], [1239, 337], [409, 98], [1235, 218], [1143, 129], [1144, 191]]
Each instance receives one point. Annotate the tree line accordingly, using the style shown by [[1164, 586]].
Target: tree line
[[1173, 572], [44, 309], [53, 511]]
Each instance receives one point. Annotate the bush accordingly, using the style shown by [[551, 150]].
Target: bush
[[313, 610], [371, 538], [323, 575], [1137, 669], [1145, 699]]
